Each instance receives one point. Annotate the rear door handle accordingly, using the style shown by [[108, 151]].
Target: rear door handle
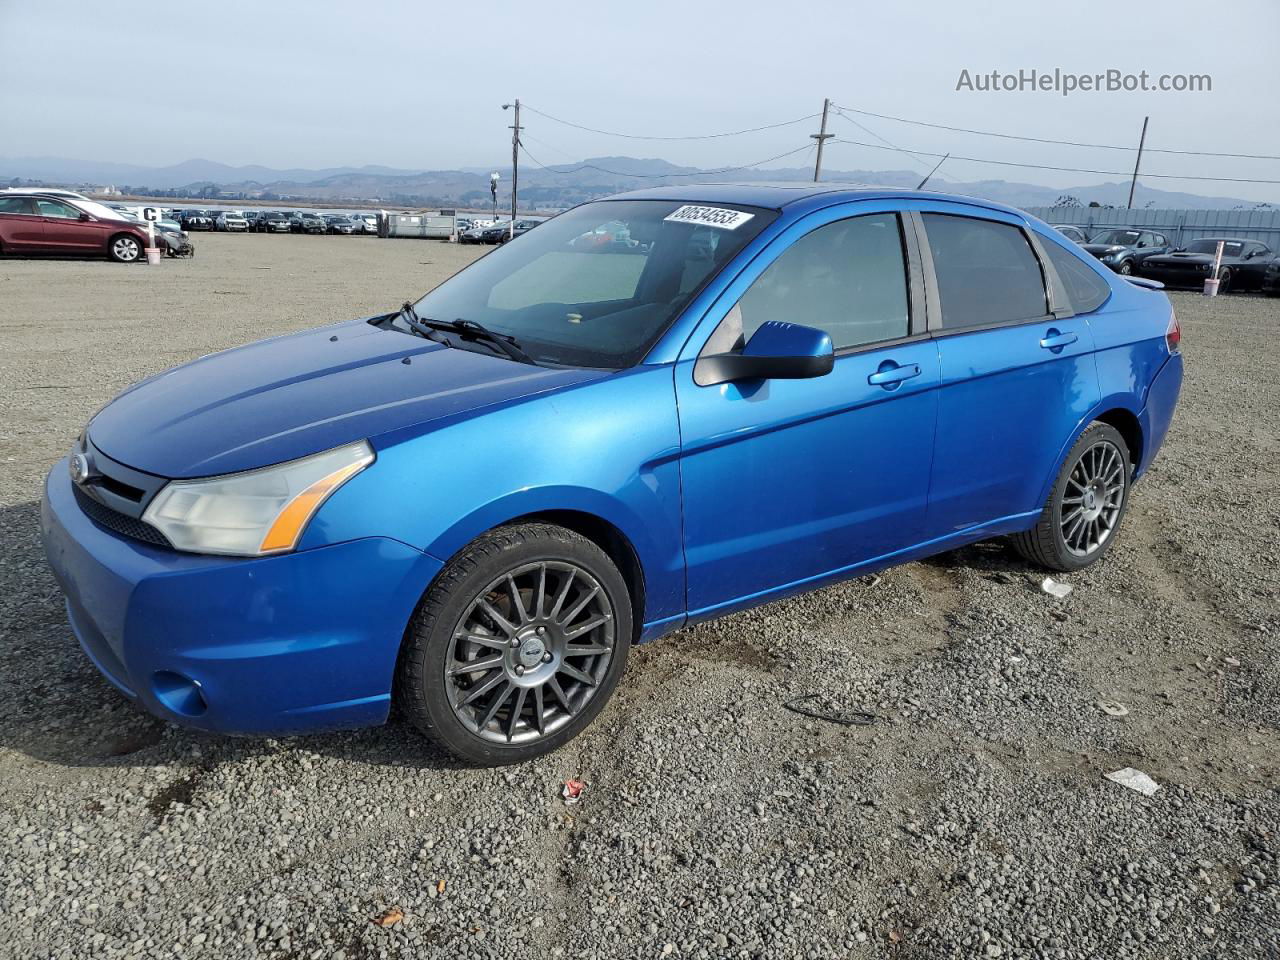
[[887, 375], [1053, 340]]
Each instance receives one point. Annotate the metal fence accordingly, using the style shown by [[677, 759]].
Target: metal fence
[[1180, 226]]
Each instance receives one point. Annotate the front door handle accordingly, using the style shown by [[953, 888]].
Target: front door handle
[[1053, 340], [890, 374]]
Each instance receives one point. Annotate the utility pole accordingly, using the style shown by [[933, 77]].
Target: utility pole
[[515, 161], [822, 137], [1136, 163]]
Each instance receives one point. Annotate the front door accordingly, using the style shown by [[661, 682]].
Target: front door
[[65, 231], [787, 482]]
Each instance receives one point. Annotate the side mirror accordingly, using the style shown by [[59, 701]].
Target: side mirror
[[776, 351], [83, 217]]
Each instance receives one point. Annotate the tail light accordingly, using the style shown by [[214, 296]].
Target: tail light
[[1173, 335]]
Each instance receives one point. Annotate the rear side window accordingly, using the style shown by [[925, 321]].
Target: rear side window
[[987, 272], [1085, 289], [846, 278], [15, 205]]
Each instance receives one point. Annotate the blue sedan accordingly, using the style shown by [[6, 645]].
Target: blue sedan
[[475, 504]]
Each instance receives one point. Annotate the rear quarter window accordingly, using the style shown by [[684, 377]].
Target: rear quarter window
[[1085, 289]]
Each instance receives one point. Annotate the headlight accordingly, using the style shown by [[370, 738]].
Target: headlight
[[255, 513]]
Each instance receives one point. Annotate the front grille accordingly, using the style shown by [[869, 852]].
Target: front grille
[[117, 522]]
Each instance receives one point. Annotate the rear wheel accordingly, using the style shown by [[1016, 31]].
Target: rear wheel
[[1082, 515], [517, 645], [125, 248]]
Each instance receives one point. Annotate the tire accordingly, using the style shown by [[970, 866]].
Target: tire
[[527, 699], [1224, 280], [1069, 545], [124, 248], [1125, 269]]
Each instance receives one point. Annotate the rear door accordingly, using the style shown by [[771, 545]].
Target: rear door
[[1017, 375], [786, 482], [21, 227], [65, 231]]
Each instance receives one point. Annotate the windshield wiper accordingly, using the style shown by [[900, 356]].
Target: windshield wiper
[[467, 330], [416, 324]]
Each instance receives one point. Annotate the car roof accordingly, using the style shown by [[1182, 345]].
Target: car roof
[[779, 196]]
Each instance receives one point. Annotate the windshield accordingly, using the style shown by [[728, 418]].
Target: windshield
[[1229, 248], [600, 302], [1122, 238], [102, 211]]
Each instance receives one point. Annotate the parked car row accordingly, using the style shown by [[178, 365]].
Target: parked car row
[[499, 232], [276, 221], [70, 225], [1247, 265]]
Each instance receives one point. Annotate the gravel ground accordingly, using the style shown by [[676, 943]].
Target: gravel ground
[[970, 820]]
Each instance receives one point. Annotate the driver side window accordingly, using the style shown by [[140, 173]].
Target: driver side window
[[846, 278], [52, 208]]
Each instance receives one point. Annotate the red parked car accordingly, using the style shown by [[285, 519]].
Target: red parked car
[[36, 223]]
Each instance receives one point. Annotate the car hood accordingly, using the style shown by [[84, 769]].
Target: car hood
[[1101, 249], [296, 395]]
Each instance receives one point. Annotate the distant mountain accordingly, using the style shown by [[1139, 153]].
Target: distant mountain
[[165, 178], [550, 187]]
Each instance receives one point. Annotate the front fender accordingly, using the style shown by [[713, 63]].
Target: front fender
[[607, 447]]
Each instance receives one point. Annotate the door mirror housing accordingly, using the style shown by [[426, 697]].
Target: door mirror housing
[[84, 217], [776, 351]]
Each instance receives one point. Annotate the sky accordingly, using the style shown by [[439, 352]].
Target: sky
[[420, 85]]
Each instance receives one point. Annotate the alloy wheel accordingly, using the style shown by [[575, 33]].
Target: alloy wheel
[[530, 652], [125, 249], [1093, 498]]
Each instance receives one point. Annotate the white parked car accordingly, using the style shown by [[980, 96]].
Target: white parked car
[[50, 192], [231, 220]]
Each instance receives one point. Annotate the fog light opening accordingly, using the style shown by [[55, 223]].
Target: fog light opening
[[180, 694]]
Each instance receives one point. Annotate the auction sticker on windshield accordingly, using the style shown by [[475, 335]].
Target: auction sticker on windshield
[[710, 216]]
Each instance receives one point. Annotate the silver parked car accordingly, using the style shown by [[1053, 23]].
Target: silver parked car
[[231, 221]]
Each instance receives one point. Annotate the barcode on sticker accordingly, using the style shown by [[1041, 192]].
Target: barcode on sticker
[[710, 217]]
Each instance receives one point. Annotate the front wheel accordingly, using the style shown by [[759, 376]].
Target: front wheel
[[1125, 269], [517, 645], [1082, 515], [125, 249], [1224, 280]]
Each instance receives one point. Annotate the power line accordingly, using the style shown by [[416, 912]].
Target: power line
[[883, 140], [636, 136], [662, 176], [1041, 166], [1061, 143]]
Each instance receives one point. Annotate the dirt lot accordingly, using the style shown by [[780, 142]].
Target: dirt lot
[[970, 820]]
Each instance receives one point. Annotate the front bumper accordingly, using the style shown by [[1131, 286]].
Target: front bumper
[[291, 643]]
